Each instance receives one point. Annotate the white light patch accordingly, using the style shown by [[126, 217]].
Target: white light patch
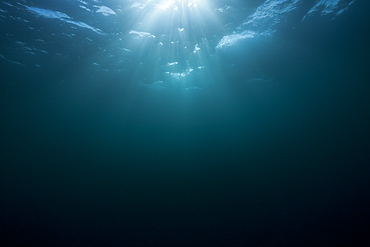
[[166, 4], [230, 40], [105, 10], [51, 14], [141, 34]]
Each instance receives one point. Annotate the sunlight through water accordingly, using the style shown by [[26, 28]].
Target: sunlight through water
[[171, 37]]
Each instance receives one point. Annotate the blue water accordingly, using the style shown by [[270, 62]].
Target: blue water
[[184, 123]]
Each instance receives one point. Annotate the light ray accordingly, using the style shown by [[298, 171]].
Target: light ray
[[172, 32]]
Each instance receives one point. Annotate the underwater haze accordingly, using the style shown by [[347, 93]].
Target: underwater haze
[[184, 123]]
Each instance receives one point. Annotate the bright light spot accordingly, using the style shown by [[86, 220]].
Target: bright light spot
[[105, 10], [165, 4], [175, 33], [174, 63], [232, 39]]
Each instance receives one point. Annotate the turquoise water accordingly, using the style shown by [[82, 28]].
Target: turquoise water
[[184, 123]]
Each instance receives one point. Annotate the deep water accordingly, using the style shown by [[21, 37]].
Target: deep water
[[214, 123]]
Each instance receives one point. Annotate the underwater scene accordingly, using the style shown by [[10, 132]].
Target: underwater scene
[[184, 123]]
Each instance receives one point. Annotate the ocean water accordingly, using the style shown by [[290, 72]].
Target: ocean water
[[184, 123]]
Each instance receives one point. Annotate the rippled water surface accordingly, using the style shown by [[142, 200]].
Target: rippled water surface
[[184, 123]]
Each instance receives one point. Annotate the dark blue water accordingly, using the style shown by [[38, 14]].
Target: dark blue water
[[184, 123]]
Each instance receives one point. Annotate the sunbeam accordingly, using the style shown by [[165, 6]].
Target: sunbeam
[[171, 36]]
